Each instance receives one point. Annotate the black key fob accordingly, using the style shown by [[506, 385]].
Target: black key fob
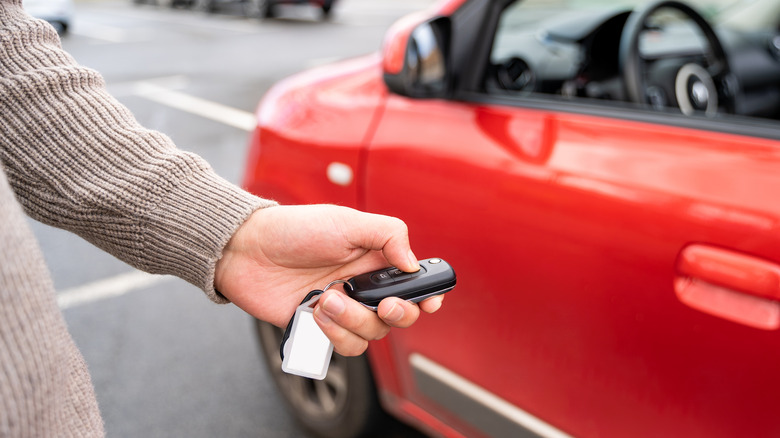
[[435, 277]]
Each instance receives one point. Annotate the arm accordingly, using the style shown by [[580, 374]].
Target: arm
[[78, 160]]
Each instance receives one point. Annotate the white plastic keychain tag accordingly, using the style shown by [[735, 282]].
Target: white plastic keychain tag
[[307, 351]]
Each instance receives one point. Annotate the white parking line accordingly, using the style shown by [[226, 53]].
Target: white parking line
[[188, 18], [101, 32], [108, 288], [195, 105]]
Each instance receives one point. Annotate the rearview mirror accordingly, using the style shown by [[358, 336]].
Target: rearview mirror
[[420, 69]]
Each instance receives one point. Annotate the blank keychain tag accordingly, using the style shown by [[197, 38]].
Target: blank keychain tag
[[307, 351]]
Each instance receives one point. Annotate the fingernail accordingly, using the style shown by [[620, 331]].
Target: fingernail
[[394, 314], [334, 305], [413, 261]]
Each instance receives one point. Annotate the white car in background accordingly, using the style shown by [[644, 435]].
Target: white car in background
[[57, 12]]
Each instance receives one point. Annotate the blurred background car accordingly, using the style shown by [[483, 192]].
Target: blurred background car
[[57, 12], [269, 8], [250, 8], [602, 175]]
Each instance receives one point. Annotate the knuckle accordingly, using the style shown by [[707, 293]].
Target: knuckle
[[357, 318], [382, 333], [399, 225], [355, 348]]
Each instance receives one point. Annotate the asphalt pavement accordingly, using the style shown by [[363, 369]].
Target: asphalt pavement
[[165, 361]]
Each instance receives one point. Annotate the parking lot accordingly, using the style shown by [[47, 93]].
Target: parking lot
[[166, 361]]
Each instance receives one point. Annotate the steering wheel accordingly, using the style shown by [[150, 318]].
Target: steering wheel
[[705, 86], [515, 75]]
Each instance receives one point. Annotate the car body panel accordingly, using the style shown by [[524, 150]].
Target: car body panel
[[567, 263], [296, 122]]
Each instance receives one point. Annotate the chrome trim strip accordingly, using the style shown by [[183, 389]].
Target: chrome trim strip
[[498, 417]]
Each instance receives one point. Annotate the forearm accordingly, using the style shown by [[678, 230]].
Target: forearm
[[77, 159]]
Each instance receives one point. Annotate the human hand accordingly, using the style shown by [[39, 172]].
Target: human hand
[[281, 253]]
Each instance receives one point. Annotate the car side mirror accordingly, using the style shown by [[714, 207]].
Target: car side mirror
[[416, 62]]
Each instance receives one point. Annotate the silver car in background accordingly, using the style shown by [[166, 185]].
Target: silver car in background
[[59, 13]]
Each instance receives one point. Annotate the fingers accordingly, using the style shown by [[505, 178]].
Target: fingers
[[397, 312], [347, 323], [350, 325], [432, 304]]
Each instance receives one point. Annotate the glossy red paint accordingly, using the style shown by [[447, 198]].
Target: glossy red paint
[[730, 285], [566, 264], [570, 234], [301, 131], [740, 272]]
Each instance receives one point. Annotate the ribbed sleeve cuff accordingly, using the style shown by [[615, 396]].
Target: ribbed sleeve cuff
[[191, 226]]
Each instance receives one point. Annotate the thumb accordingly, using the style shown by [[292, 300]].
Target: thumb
[[391, 236]]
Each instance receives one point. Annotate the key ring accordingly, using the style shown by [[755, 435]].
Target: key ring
[[335, 282]]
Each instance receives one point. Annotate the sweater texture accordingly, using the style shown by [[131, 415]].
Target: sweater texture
[[71, 156]]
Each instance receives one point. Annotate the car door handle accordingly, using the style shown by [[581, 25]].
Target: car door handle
[[734, 286]]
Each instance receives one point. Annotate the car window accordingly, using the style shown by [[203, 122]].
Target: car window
[[572, 50], [752, 14]]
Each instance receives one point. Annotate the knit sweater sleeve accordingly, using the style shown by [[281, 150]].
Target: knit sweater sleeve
[[77, 159]]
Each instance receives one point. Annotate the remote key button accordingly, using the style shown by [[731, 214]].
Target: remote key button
[[399, 275], [395, 273], [382, 278]]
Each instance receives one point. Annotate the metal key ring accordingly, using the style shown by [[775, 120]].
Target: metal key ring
[[334, 282]]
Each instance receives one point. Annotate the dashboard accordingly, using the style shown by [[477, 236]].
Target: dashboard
[[577, 54]]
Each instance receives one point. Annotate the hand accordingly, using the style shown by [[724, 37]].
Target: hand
[[281, 253]]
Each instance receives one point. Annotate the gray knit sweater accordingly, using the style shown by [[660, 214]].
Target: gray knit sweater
[[73, 157]]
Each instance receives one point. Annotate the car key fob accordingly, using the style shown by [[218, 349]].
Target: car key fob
[[435, 277]]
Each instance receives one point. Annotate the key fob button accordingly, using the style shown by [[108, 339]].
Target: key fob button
[[399, 275], [395, 273], [382, 278]]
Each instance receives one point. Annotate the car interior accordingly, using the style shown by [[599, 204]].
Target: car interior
[[697, 58]]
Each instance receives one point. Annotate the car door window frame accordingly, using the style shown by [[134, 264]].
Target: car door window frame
[[471, 58]]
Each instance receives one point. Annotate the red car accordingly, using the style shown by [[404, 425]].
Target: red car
[[605, 179]]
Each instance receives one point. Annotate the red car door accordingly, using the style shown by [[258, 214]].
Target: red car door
[[613, 275]]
